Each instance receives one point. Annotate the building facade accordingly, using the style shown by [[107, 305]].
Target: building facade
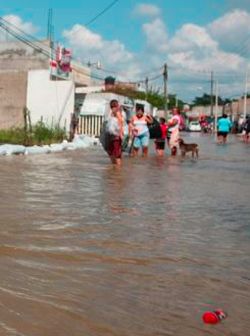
[[26, 82]]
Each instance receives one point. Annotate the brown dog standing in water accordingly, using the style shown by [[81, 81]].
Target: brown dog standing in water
[[185, 148]]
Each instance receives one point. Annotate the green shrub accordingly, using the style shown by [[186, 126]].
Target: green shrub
[[40, 135], [13, 136]]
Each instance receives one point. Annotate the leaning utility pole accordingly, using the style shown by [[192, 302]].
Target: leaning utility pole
[[165, 79], [212, 95]]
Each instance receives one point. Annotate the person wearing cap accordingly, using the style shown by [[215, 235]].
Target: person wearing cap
[[139, 130]]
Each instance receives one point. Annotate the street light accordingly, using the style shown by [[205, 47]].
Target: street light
[[97, 64]]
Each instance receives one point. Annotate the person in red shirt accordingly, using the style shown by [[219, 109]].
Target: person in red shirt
[[160, 142]]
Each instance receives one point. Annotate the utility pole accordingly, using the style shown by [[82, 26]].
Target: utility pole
[[216, 106], [49, 25], [176, 101], [50, 32], [165, 79], [245, 97], [212, 95], [146, 87]]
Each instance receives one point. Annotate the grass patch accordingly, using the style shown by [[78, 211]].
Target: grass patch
[[41, 134]]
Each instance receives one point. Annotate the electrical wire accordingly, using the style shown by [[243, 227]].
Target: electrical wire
[[101, 13], [26, 38]]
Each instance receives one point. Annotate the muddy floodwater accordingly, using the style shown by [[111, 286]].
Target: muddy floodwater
[[87, 249]]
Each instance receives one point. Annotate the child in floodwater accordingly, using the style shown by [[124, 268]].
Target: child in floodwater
[[160, 142]]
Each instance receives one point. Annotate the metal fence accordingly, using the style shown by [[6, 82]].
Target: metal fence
[[90, 125]]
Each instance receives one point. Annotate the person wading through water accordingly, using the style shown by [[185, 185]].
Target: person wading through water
[[173, 131], [160, 142], [139, 130], [115, 130]]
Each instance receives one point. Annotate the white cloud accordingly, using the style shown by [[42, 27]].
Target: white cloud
[[192, 37], [156, 35], [147, 10], [193, 48], [27, 27], [232, 31], [89, 46], [215, 60], [83, 38], [192, 53], [242, 4]]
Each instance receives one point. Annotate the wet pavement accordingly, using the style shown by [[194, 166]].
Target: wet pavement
[[91, 249]]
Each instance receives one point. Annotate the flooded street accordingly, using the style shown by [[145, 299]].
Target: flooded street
[[87, 249]]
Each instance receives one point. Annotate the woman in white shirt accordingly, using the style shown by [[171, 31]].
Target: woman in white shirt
[[139, 129]]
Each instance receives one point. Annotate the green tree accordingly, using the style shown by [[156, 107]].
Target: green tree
[[205, 100], [155, 98]]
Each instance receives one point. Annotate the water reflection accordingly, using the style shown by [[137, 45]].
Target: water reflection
[[91, 249]]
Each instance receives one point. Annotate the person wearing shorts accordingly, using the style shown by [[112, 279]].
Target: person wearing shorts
[[224, 125], [140, 131], [115, 133], [160, 143]]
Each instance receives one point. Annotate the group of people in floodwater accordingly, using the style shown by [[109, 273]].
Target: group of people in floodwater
[[119, 129], [137, 129]]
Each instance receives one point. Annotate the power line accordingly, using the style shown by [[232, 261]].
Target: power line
[[27, 39], [31, 44], [26, 35], [101, 13], [24, 40], [42, 49]]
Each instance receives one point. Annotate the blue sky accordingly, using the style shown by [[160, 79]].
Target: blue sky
[[134, 37], [119, 21]]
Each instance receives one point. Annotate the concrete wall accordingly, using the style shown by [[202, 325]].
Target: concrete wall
[[237, 108], [53, 101], [18, 56], [198, 111], [13, 86], [81, 75]]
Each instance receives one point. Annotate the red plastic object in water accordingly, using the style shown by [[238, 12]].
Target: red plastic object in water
[[213, 317]]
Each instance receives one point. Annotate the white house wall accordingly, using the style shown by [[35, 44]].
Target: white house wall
[[51, 101]]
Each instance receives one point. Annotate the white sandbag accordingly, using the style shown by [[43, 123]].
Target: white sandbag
[[80, 142], [68, 145], [3, 150], [84, 140], [37, 150], [54, 148], [9, 149]]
